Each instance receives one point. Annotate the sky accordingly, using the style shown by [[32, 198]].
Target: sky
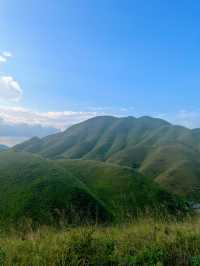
[[65, 61]]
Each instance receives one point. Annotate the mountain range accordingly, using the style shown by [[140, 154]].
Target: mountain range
[[105, 168], [166, 153]]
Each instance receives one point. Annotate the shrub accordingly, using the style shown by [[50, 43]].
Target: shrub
[[84, 249]]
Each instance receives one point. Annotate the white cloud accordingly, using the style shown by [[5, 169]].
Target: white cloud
[[18, 124], [2, 59], [4, 56], [60, 120], [7, 54], [10, 90]]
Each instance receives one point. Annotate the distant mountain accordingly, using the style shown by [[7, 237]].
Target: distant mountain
[[75, 190], [167, 153], [3, 147], [24, 130]]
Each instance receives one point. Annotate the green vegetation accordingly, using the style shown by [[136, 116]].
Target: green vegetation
[[166, 153], [71, 196], [48, 191], [44, 191], [142, 242]]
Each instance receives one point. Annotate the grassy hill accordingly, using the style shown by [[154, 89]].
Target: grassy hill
[[75, 190], [167, 153], [43, 190]]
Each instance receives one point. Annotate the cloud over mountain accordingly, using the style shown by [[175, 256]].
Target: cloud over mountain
[[18, 124], [60, 120]]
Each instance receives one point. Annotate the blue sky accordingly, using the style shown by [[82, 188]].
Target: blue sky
[[75, 59]]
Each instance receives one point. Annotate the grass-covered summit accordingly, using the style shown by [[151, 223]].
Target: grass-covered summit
[[167, 153]]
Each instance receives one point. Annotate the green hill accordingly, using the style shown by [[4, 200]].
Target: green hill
[[43, 190], [74, 190], [167, 153]]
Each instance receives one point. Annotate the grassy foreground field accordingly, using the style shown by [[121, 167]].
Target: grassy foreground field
[[141, 242]]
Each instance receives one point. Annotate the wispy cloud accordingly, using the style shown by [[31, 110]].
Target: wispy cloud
[[60, 120], [7, 54], [2, 59], [4, 56], [18, 124], [10, 90], [57, 119]]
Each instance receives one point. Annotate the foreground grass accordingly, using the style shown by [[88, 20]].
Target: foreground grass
[[143, 242]]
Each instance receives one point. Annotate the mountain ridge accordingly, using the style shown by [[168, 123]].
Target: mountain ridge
[[152, 146]]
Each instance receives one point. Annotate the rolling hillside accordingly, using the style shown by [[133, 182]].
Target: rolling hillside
[[167, 153], [75, 190]]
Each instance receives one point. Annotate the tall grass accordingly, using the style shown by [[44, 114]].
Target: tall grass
[[141, 242]]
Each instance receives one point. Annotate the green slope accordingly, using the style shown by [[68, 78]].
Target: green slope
[[123, 191], [75, 190], [97, 138], [152, 146], [44, 190]]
